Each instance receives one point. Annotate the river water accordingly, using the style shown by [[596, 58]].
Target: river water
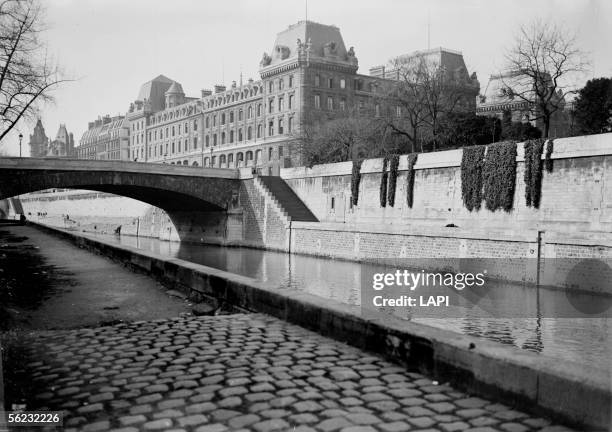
[[587, 341]]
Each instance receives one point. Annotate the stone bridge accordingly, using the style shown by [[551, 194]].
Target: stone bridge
[[169, 187]]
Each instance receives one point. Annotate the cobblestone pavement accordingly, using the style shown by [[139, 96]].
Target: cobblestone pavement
[[243, 373]]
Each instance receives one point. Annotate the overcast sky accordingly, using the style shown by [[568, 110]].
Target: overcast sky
[[112, 47]]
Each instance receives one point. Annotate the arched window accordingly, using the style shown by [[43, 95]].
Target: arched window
[[249, 133], [222, 161], [239, 135], [258, 110], [249, 158], [231, 116], [206, 161], [222, 137], [207, 141], [194, 163], [258, 157], [259, 130], [223, 118], [230, 160], [250, 112], [207, 121], [195, 143], [214, 140], [240, 115], [239, 160], [185, 162], [231, 136]]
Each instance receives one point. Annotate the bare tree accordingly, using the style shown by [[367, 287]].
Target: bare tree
[[425, 93], [543, 64], [27, 74], [346, 136]]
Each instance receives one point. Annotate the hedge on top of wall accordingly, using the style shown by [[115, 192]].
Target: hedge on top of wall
[[499, 176], [471, 176], [393, 165], [533, 172], [548, 159], [383, 183], [412, 158], [355, 180]]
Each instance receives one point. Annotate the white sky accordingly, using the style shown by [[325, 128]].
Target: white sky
[[114, 46]]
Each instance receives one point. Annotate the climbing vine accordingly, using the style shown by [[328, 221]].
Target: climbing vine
[[412, 158], [548, 159], [533, 172], [355, 180], [499, 176], [393, 165], [383, 183], [471, 176]]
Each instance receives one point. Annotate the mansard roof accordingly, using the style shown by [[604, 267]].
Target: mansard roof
[[175, 88], [154, 91]]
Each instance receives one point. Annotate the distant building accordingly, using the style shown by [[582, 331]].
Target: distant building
[[447, 61], [39, 143], [61, 146], [105, 139], [498, 101]]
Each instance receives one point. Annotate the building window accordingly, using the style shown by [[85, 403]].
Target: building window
[[250, 112], [214, 140], [270, 150], [290, 81], [258, 110], [342, 83], [207, 122], [317, 80], [280, 126], [240, 115], [222, 137], [343, 104], [280, 152], [166, 132], [172, 130], [270, 87], [330, 103], [223, 118], [179, 129], [230, 159], [271, 128], [240, 135], [281, 104], [259, 130], [317, 101], [330, 83], [271, 106], [195, 125], [249, 133], [281, 83], [195, 143], [290, 124], [207, 141], [290, 102], [231, 116], [172, 147], [231, 136], [215, 120]]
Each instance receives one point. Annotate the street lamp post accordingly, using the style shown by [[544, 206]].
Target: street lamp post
[[20, 138]]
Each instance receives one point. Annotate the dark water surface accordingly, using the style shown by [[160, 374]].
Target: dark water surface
[[584, 340]]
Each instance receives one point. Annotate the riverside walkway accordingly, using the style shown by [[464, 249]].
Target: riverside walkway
[[239, 372]]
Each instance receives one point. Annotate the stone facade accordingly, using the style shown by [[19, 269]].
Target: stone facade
[[105, 139]]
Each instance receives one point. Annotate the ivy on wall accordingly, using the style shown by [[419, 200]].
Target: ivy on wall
[[548, 162], [533, 172], [471, 176], [393, 165], [355, 180], [412, 158], [499, 176], [383, 183]]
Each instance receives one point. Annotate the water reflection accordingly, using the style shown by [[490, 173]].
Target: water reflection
[[584, 340]]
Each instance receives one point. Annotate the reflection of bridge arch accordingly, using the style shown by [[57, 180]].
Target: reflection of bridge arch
[[172, 188]]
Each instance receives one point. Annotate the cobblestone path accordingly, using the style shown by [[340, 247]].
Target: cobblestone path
[[243, 373]]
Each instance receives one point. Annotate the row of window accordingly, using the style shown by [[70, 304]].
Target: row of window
[[274, 128], [280, 84]]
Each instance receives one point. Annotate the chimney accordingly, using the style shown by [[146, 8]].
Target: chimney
[[219, 88], [206, 93], [233, 84]]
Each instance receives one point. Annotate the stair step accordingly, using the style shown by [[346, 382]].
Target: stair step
[[288, 199]]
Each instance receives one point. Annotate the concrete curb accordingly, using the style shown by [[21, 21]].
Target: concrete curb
[[543, 386]]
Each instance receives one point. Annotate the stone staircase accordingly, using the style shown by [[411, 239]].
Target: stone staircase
[[288, 201]]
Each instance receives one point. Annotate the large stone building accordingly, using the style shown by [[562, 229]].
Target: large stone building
[[41, 146], [106, 139], [309, 74]]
